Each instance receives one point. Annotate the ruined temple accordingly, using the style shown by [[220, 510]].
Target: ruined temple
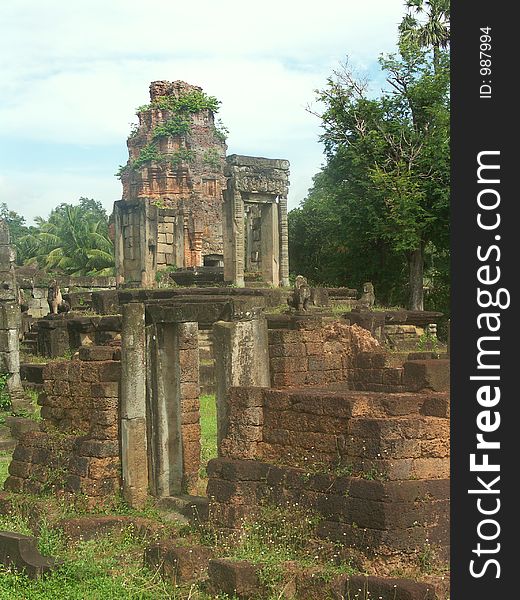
[[185, 205], [171, 210]]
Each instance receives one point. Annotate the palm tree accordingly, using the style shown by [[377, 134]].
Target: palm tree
[[427, 25], [74, 240]]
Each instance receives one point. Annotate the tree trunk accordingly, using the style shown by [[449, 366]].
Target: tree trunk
[[436, 58], [415, 279]]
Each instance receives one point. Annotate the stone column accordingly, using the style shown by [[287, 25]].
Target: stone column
[[241, 359], [284, 241], [119, 246], [270, 249], [178, 241], [188, 391], [10, 322], [234, 237], [148, 243], [134, 443]]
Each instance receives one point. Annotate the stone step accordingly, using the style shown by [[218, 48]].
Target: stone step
[[29, 346], [20, 425], [32, 372], [7, 445]]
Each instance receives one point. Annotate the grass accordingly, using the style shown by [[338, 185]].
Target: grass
[[109, 567], [5, 459], [208, 431]]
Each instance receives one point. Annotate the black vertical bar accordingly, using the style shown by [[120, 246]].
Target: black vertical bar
[[484, 121]]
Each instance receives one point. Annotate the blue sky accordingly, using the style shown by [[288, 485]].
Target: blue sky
[[74, 72]]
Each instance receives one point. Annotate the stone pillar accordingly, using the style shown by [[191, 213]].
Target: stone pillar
[[188, 390], [119, 251], [270, 248], [148, 244], [284, 241], [178, 242], [234, 237], [134, 443], [10, 322], [241, 359]]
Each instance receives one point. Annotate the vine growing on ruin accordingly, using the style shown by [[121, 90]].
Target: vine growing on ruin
[[176, 125], [150, 153], [212, 158], [179, 123]]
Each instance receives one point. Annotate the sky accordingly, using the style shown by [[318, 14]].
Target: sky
[[74, 72]]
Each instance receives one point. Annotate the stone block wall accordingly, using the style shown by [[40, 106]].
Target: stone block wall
[[58, 335], [76, 290], [10, 321], [318, 354], [77, 446], [374, 465], [393, 436], [387, 519]]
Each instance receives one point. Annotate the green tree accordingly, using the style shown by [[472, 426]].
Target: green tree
[[73, 240], [427, 25], [387, 169]]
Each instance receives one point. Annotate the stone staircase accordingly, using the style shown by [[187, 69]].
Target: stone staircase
[[29, 342]]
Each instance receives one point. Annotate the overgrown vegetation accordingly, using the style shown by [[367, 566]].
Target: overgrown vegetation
[[189, 102], [178, 123], [150, 153], [5, 398]]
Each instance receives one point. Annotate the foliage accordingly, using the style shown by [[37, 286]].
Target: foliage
[[176, 125], [220, 131], [5, 459], [381, 203], [5, 398], [150, 153], [109, 567], [189, 102], [74, 240], [430, 32], [276, 534], [212, 158]]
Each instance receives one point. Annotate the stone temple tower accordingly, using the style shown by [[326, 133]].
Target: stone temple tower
[[170, 214]]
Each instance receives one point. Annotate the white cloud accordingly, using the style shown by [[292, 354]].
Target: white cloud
[[74, 72]]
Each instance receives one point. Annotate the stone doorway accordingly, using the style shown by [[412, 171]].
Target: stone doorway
[[160, 391]]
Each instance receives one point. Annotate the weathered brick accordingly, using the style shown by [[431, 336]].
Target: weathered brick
[[108, 389]]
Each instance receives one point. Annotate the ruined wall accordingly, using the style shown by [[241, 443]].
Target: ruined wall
[[59, 335], [390, 520], [10, 321], [34, 285], [77, 446], [374, 466], [316, 354], [369, 452], [395, 436]]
